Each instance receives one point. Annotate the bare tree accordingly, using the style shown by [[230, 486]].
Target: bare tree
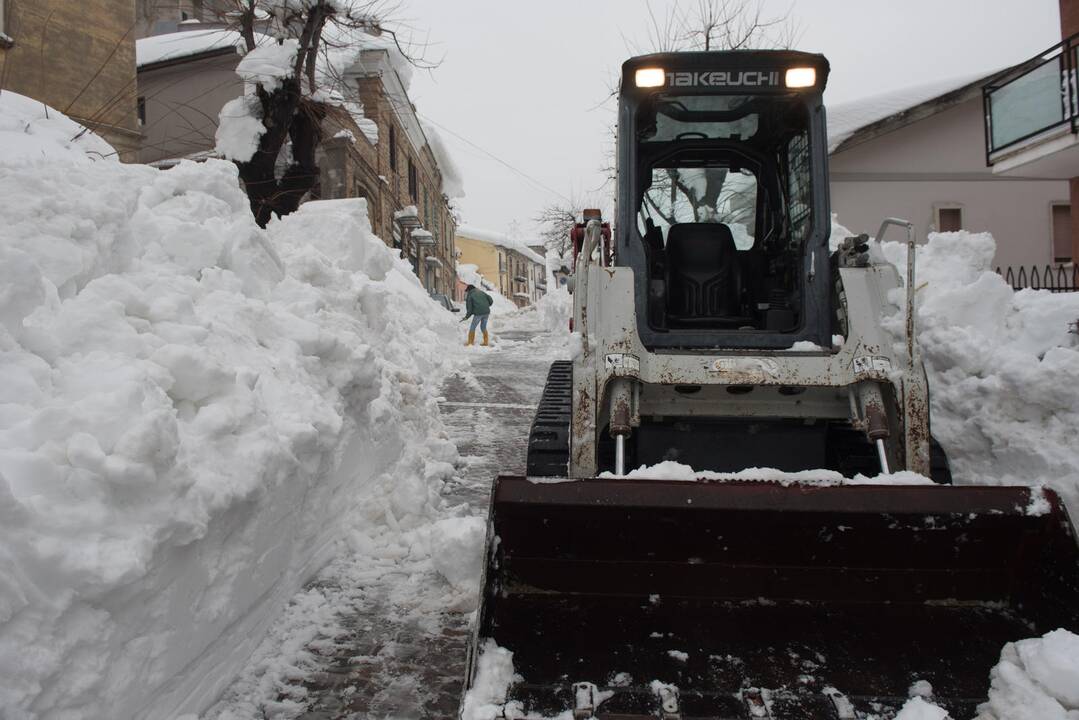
[[555, 221], [291, 106], [711, 25], [729, 25]]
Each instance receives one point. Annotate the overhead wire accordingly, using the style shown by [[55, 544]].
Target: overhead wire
[[497, 159]]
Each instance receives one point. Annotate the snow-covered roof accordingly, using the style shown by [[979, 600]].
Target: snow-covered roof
[[452, 183], [499, 239], [172, 46], [846, 119]]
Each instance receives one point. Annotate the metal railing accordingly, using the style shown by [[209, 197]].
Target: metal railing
[[1061, 278], [1032, 98]]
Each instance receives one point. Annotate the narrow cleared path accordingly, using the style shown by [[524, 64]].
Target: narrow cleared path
[[398, 659]]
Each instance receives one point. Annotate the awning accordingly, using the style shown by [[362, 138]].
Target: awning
[[423, 237]]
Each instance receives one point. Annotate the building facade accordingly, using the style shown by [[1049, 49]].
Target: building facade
[[922, 158], [1032, 125], [400, 174], [377, 150], [184, 79], [515, 270], [78, 57]]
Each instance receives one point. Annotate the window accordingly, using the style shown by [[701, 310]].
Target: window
[[140, 110], [799, 201], [724, 181], [949, 219], [703, 195], [413, 190], [1062, 232], [393, 149]]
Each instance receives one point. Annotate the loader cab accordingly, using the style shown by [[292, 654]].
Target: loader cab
[[723, 198]]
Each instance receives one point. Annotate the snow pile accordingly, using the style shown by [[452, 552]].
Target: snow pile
[[1036, 679], [456, 549], [1003, 368], [555, 309], [193, 414], [486, 699], [918, 708], [30, 131]]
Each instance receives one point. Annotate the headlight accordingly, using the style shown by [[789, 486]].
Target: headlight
[[801, 77], [650, 77]]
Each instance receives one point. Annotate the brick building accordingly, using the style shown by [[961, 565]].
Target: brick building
[[396, 167], [78, 57]]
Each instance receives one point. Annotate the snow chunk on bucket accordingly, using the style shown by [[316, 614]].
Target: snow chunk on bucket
[[457, 551], [1036, 679], [918, 709], [486, 699]]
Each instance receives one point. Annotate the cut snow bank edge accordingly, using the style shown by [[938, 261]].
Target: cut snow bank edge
[[193, 413]]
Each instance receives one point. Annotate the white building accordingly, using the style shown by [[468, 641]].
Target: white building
[[920, 154]]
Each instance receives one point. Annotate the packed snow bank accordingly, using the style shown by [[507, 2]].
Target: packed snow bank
[[555, 310], [31, 131], [1003, 368], [1036, 679], [192, 413]]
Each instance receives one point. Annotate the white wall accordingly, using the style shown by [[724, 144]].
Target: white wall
[[941, 160]]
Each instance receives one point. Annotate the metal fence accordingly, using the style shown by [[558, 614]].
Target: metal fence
[[1061, 278]]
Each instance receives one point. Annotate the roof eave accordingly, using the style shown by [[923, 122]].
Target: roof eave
[[184, 59], [913, 114]]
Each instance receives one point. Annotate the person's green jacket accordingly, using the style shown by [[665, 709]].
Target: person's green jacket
[[477, 302]]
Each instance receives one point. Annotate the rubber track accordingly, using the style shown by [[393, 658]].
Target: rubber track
[[548, 439]]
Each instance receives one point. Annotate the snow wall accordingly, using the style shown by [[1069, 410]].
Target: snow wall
[[192, 413], [1003, 366]]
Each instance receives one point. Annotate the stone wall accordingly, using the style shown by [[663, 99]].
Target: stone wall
[[78, 57]]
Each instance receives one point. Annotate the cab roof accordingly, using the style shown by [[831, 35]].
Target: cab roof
[[726, 70]]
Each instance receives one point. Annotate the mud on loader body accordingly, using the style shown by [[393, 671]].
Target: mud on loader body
[[720, 331]]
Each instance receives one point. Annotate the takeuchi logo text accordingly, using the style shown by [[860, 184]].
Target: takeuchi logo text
[[723, 78]]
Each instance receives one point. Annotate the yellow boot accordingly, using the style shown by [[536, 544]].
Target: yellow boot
[[471, 338], [485, 342]]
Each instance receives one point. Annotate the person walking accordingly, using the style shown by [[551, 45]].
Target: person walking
[[478, 307]]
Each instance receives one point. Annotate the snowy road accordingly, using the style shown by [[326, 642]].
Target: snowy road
[[395, 649]]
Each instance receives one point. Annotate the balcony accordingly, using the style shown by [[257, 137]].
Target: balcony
[[1032, 116], [422, 237]]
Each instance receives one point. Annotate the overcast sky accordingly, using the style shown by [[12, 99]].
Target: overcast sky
[[526, 81]]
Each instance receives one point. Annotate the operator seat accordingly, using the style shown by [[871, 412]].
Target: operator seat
[[704, 277]]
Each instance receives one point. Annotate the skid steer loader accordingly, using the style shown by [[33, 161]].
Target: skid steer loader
[[719, 330]]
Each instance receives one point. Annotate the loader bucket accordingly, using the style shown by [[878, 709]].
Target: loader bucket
[[759, 600]]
